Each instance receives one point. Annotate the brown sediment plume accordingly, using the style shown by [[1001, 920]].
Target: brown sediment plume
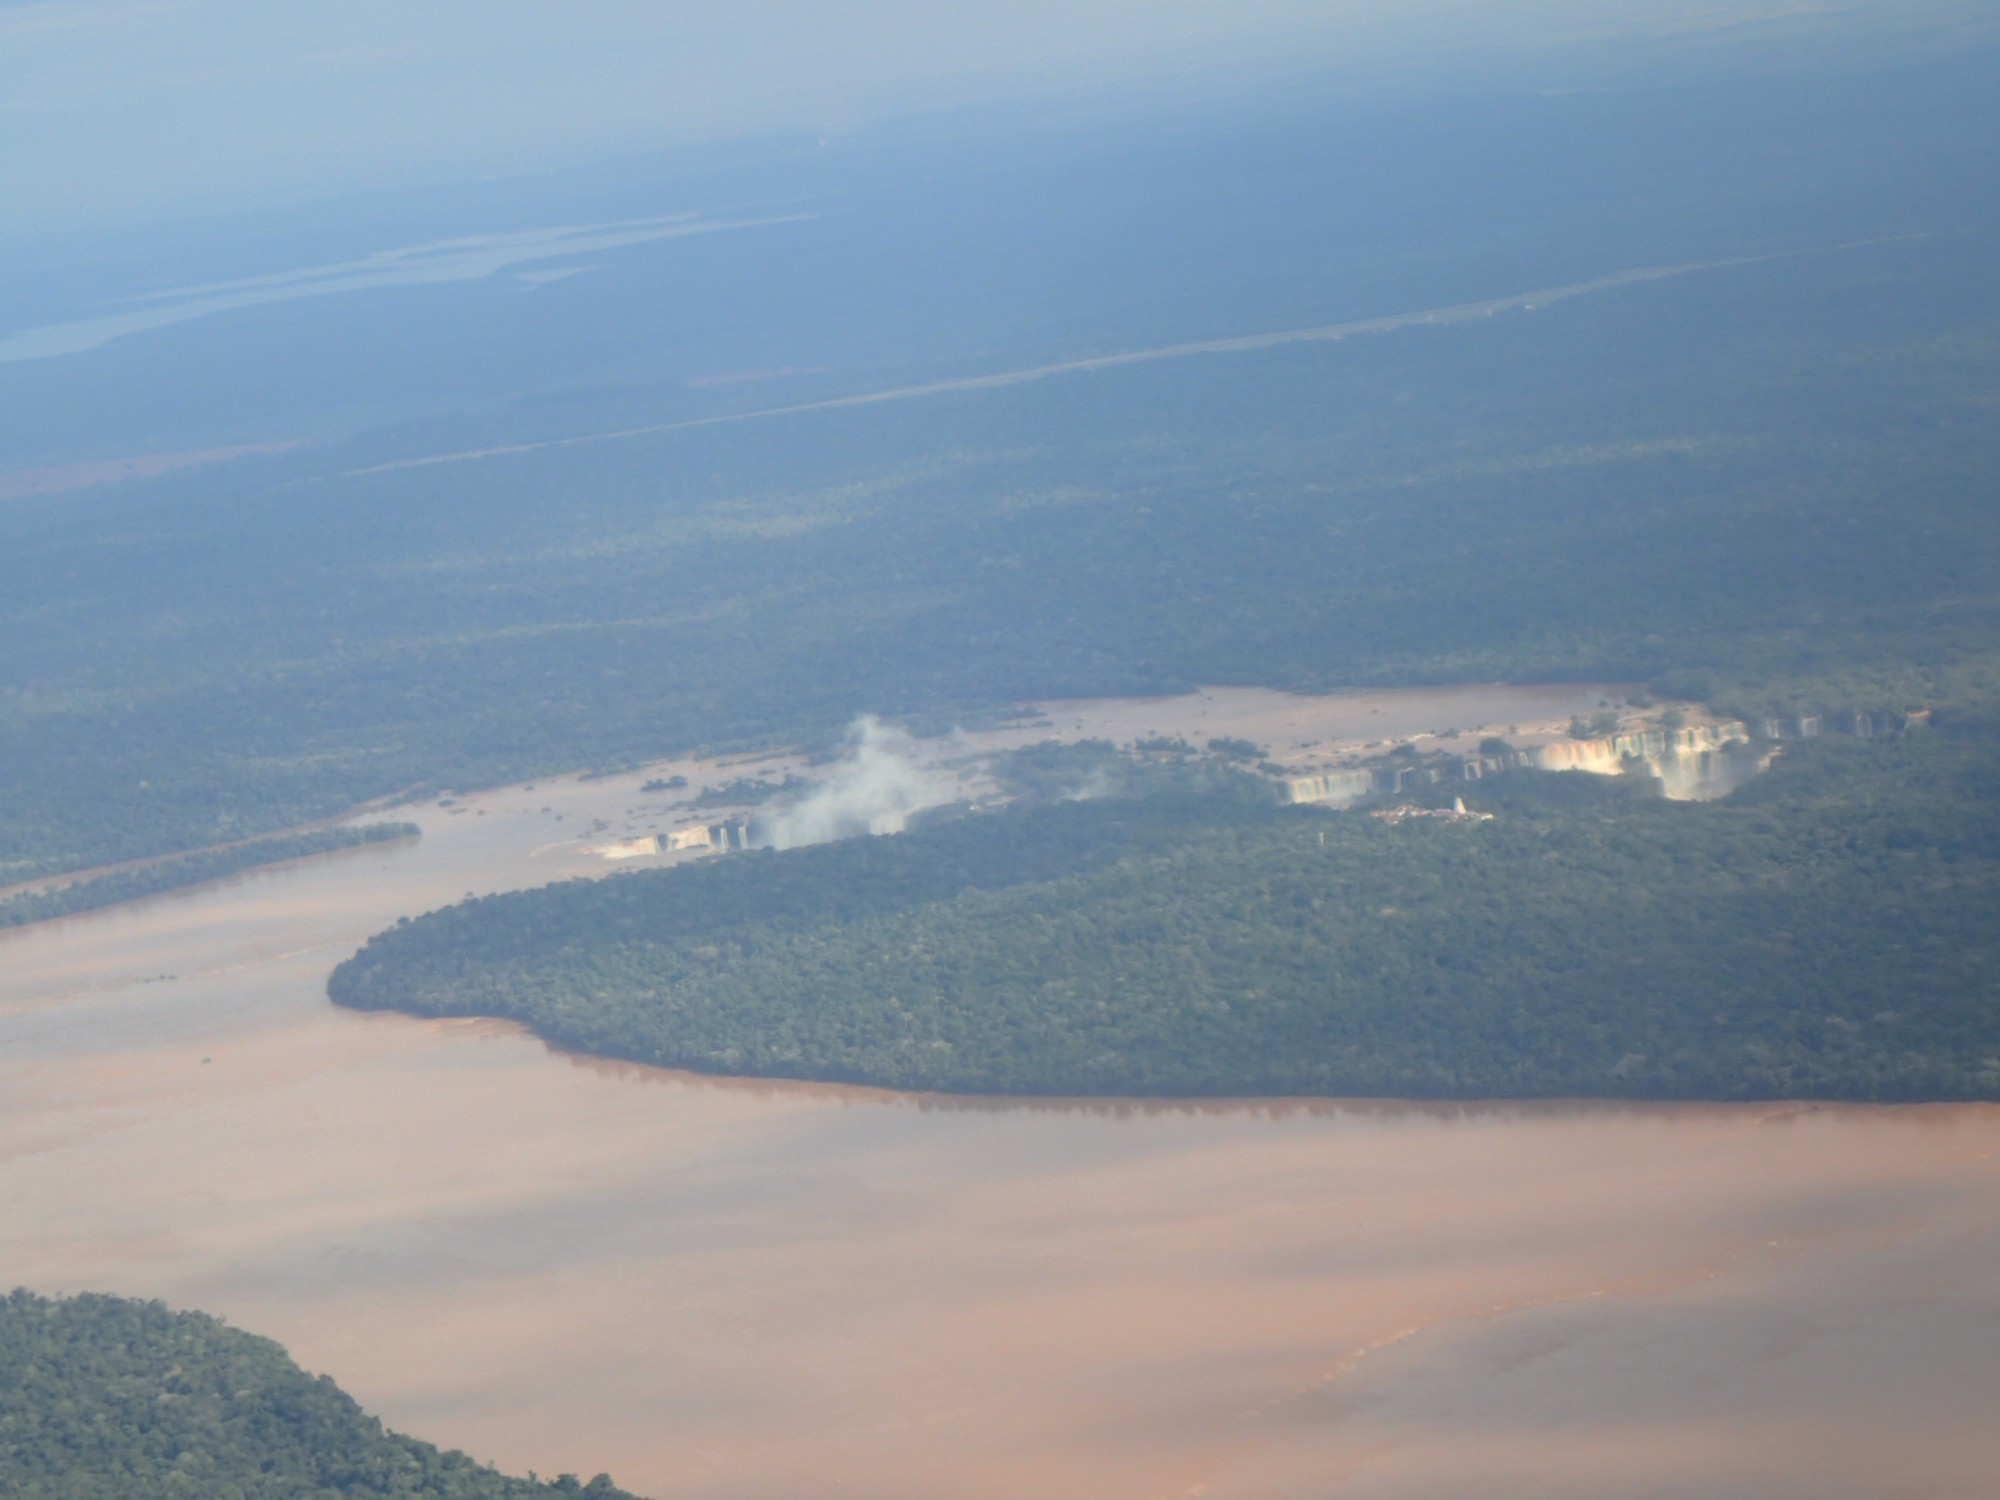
[[725, 1289]]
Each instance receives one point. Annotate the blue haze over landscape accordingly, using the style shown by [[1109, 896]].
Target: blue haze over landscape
[[948, 560]]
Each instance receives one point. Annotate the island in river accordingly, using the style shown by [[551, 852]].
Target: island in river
[[1156, 922]]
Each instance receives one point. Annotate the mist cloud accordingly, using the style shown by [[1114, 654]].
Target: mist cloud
[[878, 786]]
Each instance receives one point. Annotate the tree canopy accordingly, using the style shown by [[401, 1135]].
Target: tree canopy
[[105, 1398], [1826, 932]]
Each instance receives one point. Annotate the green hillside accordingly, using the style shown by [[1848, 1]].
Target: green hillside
[[102, 1398]]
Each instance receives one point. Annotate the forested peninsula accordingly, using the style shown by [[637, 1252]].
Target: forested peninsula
[[203, 865], [1826, 932], [104, 1398]]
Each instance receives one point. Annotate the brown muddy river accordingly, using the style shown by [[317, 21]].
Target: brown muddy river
[[728, 1289]]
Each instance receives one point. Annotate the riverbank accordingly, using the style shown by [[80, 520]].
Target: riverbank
[[1155, 926], [719, 1289]]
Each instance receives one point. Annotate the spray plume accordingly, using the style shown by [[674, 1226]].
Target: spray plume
[[877, 787]]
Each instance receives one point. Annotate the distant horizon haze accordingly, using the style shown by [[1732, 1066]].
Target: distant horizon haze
[[116, 114]]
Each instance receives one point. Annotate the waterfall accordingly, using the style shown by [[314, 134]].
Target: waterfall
[[1333, 789], [1695, 764]]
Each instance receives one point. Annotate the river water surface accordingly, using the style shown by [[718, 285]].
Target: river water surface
[[734, 1289]]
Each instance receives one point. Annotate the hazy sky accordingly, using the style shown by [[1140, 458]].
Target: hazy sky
[[117, 111]]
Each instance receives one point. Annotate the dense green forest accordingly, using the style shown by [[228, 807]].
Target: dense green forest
[[191, 869], [1826, 932], [103, 1398], [1767, 485]]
